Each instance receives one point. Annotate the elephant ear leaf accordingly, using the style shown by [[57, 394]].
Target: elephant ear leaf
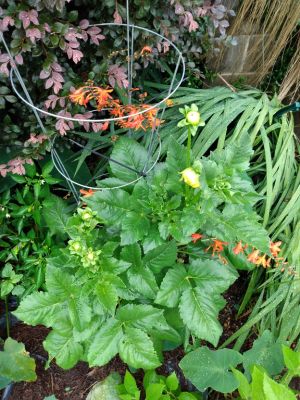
[[15, 363], [208, 368]]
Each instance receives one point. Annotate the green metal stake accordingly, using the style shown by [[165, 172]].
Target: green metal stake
[[291, 108]]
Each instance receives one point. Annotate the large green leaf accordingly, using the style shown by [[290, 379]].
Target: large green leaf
[[130, 153], [61, 345], [199, 311], [236, 154], [172, 286], [208, 368], [142, 316], [15, 363], [107, 296], [211, 276], [265, 352], [59, 283], [111, 205], [134, 227], [238, 223], [39, 308], [105, 344], [142, 280], [161, 257], [56, 213], [136, 349]]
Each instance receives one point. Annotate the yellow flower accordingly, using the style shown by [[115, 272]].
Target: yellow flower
[[190, 177]]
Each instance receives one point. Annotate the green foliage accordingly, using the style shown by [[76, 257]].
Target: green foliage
[[109, 291], [265, 352], [106, 389], [15, 363], [216, 369], [275, 170], [26, 212], [156, 387], [262, 387], [207, 368]]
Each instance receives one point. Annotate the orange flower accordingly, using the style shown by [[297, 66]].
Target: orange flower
[[238, 248], [275, 248], [104, 126], [146, 49], [217, 246], [102, 97], [87, 193], [252, 257], [79, 96], [196, 237], [262, 260], [169, 103]]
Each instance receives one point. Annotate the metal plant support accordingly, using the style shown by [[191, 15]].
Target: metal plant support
[[25, 97]]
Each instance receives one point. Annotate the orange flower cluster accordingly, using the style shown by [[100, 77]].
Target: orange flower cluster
[[147, 119], [217, 246], [87, 193]]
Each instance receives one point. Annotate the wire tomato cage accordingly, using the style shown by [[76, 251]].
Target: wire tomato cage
[[153, 143]]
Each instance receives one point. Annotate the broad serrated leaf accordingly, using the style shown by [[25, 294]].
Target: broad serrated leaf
[[172, 286], [211, 276], [137, 350], [142, 316], [15, 363], [61, 345], [107, 296], [134, 227], [236, 154], [208, 368], [238, 223], [143, 281], [111, 205], [199, 311], [131, 154], [80, 311], [39, 308], [266, 353], [161, 257], [56, 213], [59, 283], [105, 344], [132, 254]]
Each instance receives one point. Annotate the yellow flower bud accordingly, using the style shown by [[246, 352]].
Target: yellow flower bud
[[193, 118], [190, 177]]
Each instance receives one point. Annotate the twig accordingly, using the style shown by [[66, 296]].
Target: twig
[[226, 83]]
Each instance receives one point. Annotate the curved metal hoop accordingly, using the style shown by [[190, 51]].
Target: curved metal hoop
[[180, 61], [56, 161]]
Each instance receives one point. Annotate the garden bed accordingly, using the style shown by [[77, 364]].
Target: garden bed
[[74, 384]]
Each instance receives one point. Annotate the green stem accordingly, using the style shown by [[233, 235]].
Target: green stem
[[188, 160], [7, 317], [189, 147], [287, 378]]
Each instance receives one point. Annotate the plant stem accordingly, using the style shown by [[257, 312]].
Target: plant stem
[[189, 147], [188, 159], [7, 317]]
